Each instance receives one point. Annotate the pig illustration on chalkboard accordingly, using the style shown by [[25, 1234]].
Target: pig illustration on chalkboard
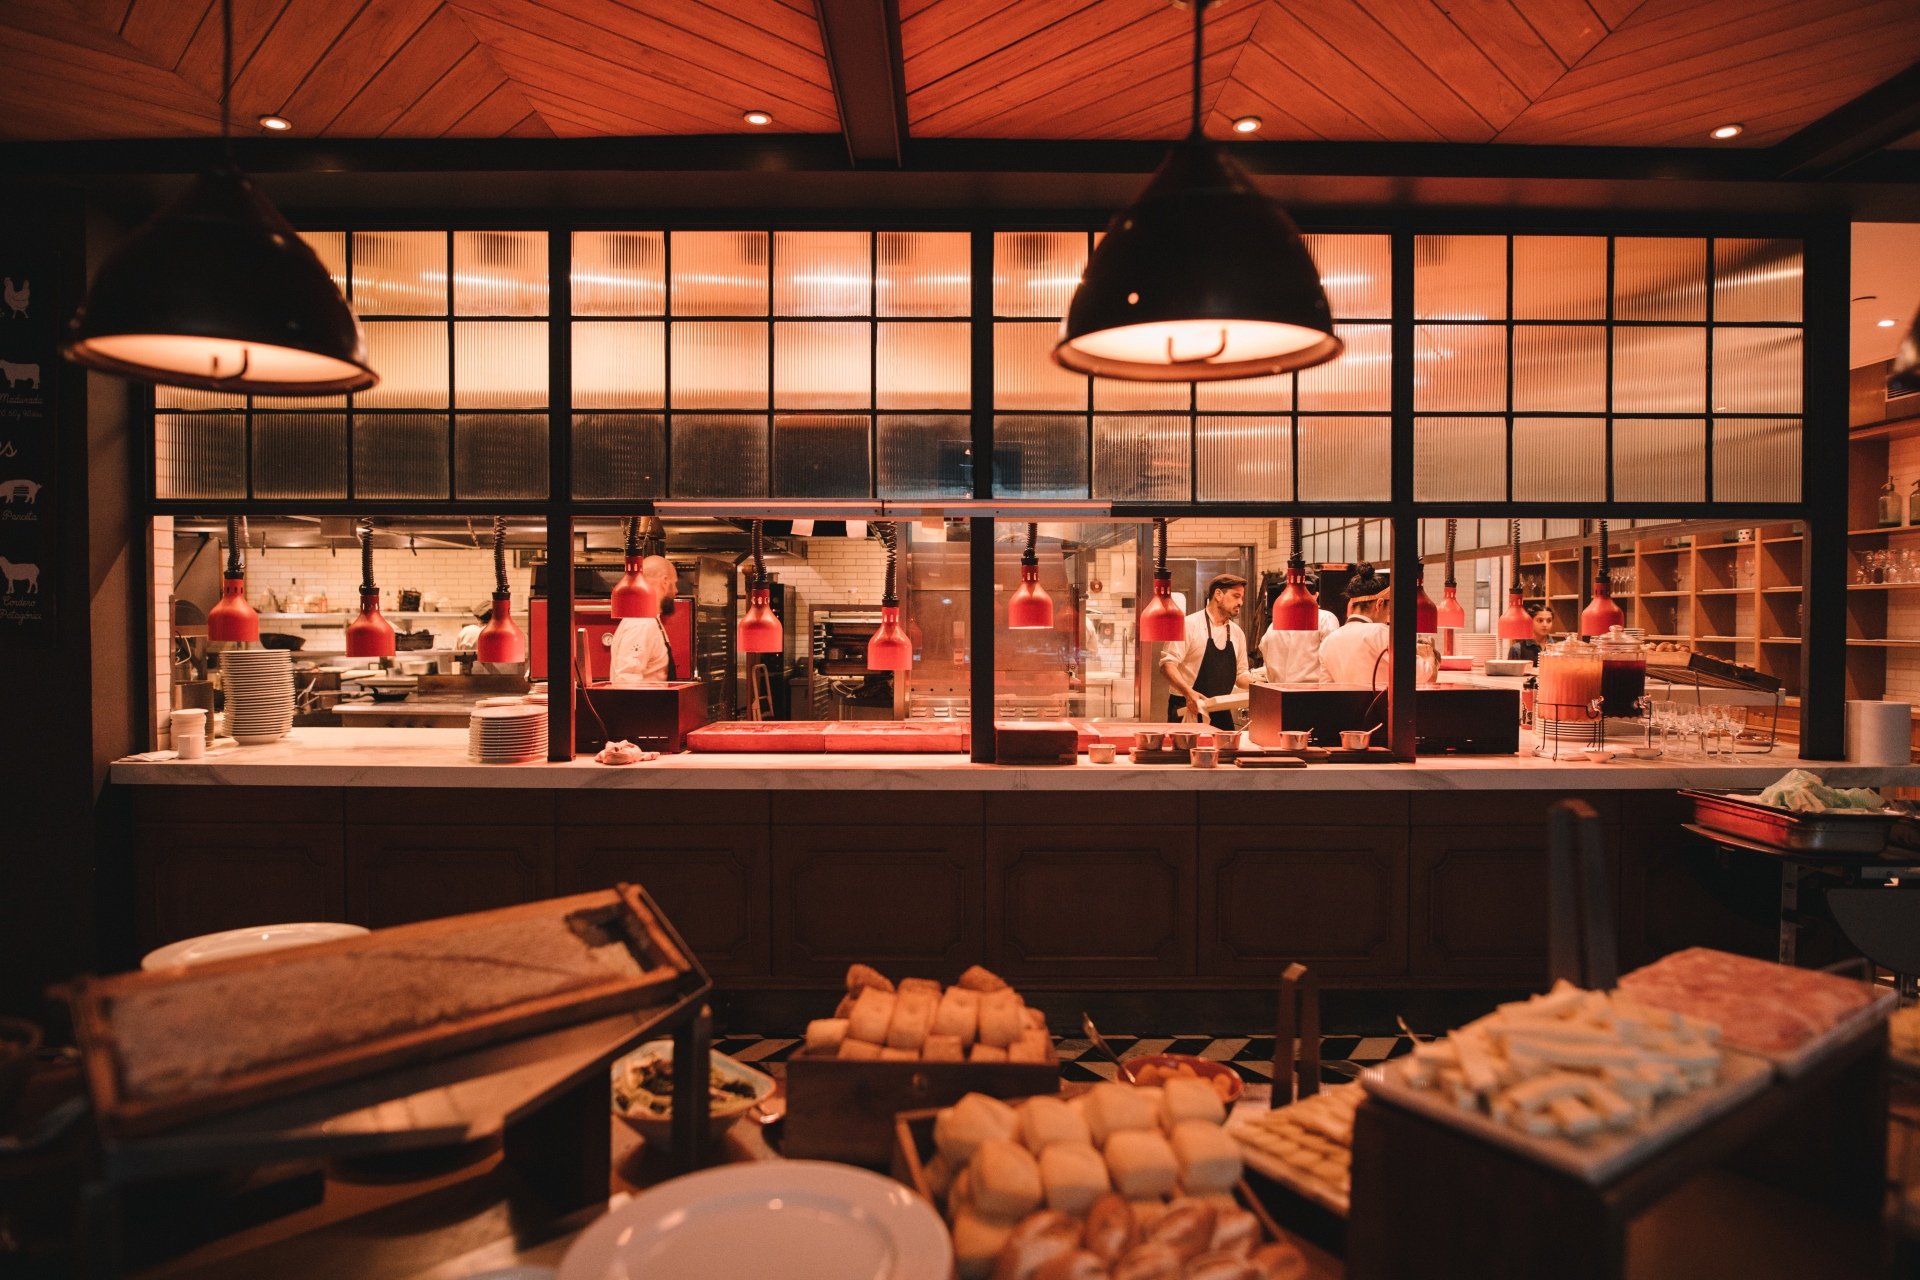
[[17, 296], [15, 374], [24, 576], [26, 490]]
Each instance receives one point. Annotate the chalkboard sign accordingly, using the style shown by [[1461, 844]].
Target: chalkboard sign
[[29, 373]]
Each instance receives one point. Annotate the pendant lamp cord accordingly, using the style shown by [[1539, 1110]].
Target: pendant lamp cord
[[366, 557], [226, 80], [1199, 17], [1160, 544], [759, 558], [236, 546], [1513, 527], [1453, 529], [1031, 556], [889, 539], [1600, 573], [633, 537], [500, 555], [1297, 559]]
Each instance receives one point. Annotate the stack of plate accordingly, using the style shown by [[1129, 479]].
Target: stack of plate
[[1477, 644], [507, 735], [259, 689]]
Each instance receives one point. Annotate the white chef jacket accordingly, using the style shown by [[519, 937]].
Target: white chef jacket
[[639, 652], [1187, 653], [1293, 657], [1351, 653]]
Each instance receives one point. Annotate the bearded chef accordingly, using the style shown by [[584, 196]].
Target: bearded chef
[[642, 653], [1213, 657]]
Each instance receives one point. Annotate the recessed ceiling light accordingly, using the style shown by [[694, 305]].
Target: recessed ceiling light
[[1886, 324], [277, 124], [1247, 124], [757, 117], [1726, 131]]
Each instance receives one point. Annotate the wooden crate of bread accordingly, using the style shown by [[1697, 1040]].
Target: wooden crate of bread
[[177, 1045], [1093, 1187], [890, 1049]]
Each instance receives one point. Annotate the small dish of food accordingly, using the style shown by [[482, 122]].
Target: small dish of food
[[1598, 756], [1647, 753], [643, 1091], [1158, 1068]]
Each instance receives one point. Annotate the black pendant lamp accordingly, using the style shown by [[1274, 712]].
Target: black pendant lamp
[[217, 291], [1202, 279]]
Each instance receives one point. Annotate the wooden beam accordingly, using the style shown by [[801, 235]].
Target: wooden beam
[[863, 54], [1843, 137]]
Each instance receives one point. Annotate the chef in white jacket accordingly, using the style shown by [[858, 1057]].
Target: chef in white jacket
[[1355, 654], [1213, 657], [1293, 657], [642, 654]]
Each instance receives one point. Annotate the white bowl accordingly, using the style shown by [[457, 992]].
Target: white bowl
[[658, 1130]]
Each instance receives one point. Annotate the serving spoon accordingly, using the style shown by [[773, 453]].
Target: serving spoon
[[1100, 1042]]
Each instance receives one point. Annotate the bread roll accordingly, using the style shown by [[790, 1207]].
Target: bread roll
[[1046, 1119], [979, 979], [927, 985], [1280, 1261], [1110, 1231], [942, 1049], [1112, 1107], [1032, 1046], [1142, 1164], [844, 1009], [912, 1015], [872, 1015], [960, 1194], [1000, 1023], [1072, 1176], [1146, 1212], [1209, 1160], [960, 1129], [938, 1175], [1234, 1231], [1182, 1098], [860, 977], [1187, 1228], [1006, 1179], [1038, 1240], [861, 1050], [1219, 1265], [825, 1034], [1033, 1017], [890, 1054], [1078, 1264], [986, 1053], [977, 1242], [958, 1014], [1148, 1262]]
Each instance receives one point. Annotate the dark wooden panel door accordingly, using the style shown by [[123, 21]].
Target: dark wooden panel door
[[1479, 902], [202, 877], [1094, 902], [713, 883], [399, 874], [1334, 897], [904, 899]]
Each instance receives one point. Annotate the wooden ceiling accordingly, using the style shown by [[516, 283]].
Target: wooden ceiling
[[1577, 72]]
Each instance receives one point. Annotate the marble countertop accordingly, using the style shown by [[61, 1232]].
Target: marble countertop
[[392, 757]]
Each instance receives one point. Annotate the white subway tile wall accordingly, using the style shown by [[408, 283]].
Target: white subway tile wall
[[463, 579], [160, 556]]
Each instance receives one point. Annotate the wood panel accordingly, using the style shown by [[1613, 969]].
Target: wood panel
[[905, 899], [399, 874], [1479, 904], [712, 881], [1100, 902], [1334, 897], [203, 877]]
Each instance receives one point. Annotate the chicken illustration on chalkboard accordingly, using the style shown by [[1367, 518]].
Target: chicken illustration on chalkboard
[[16, 296]]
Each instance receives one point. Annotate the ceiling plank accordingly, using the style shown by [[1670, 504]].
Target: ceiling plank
[[1489, 56], [1569, 27], [252, 20], [287, 55], [863, 56], [955, 34], [162, 29], [1878, 118], [375, 35], [494, 116], [1302, 54], [1397, 69], [466, 85], [416, 66]]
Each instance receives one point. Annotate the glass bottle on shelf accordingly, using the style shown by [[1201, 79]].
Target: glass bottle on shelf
[[1889, 505], [1913, 504]]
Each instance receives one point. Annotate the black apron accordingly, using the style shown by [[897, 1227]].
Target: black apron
[[1218, 672]]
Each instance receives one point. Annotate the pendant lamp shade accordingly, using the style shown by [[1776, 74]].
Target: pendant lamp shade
[[889, 649], [1602, 614], [1296, 609], [1202, 279], [1449, 614], [631, 596], [1515, 623], [1426, 615], [501, 640], [1031, 608], [218, 292], [760, 629], [1161, 622], [232, 619], [370, 635]]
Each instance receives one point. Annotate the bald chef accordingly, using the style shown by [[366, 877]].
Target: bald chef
[[1213, 657], [642, 654]]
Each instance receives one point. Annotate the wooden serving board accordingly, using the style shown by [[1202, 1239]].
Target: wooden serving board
[[1312, 1190], [1602, 1157], [839, 1109], [146, 1036], [1795, 1063]]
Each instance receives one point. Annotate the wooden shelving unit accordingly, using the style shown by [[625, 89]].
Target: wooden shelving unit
[[1877, 447]]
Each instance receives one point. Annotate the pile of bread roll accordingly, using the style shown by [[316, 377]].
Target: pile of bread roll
[[1119, 1183], [977, 1019]]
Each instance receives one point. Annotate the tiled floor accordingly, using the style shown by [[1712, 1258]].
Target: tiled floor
[[1341, 1057]]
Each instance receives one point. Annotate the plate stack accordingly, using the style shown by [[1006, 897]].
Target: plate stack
[[259, 689], [507, 735], [1478, 644]]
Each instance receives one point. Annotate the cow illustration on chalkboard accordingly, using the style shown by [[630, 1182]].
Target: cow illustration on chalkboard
[[15, 374], [24, 576], [27, 491], [17, 296]]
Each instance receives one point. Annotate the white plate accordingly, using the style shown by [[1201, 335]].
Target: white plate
[[792, 1219], [245, 942]]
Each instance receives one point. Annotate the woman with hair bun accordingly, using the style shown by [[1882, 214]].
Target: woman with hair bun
[[1353, 655]]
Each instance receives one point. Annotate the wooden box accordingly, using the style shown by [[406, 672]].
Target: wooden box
[[844, 1110], [1035, 742]]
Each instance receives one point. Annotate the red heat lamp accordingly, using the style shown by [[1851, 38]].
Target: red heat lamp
[[369, 635], [631, 596], [1602, 615], [1515, 623], [1295, 609], [760, 630], [889, 649], [232, 619], [1031, 608], [1161, 621], [1426, 614], [500, 640], [1449, 615]]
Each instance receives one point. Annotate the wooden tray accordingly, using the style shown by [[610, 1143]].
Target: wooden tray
[[844, 1110], [623, 917], [1606, 1155]]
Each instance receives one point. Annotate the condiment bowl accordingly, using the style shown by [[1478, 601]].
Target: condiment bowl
[[658, 1129], [1294, 739], [1356, 739], [1155, 1068]]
